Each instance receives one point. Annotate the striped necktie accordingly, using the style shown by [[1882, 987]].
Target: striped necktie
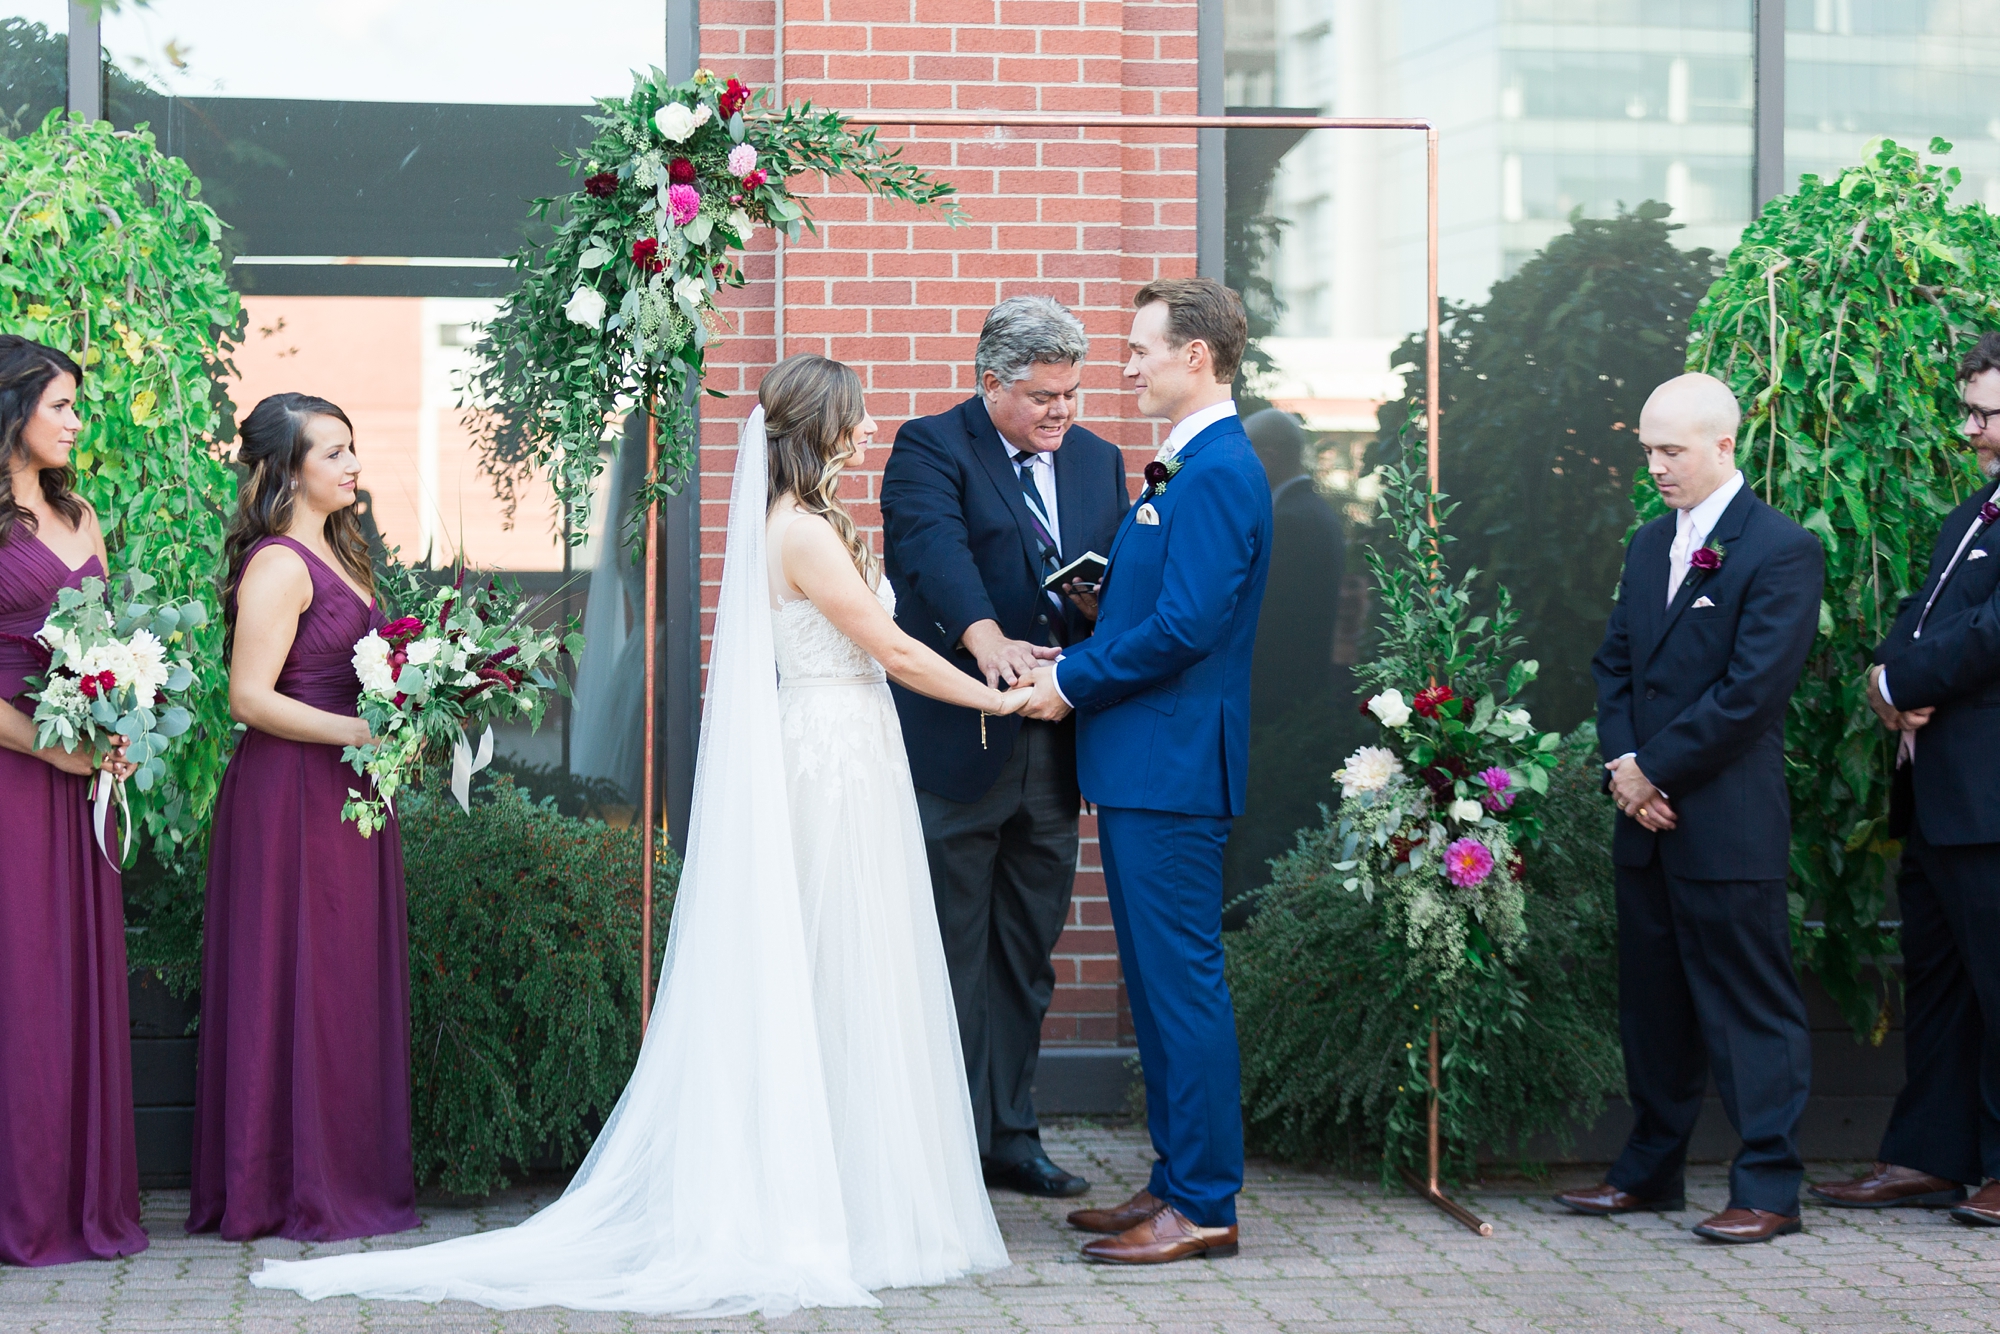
[[1024, 468]]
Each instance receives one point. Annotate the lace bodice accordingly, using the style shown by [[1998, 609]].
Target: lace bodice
[[809, 646]]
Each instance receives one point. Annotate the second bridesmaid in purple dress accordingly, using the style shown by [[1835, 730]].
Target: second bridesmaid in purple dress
[[302, 1102]]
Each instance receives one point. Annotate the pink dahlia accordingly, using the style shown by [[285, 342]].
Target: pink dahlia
[[1498, 781], [1467, 863], [683, 202], [742, 160]]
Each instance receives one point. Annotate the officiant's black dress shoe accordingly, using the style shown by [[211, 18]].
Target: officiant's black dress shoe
[[1034, 1176]]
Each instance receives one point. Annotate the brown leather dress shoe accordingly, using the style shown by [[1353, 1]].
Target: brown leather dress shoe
[[1983, 1208], [1165, 1237], [1113, 1221], [1890, 1187], [1741, 1225], [1605, 1198]]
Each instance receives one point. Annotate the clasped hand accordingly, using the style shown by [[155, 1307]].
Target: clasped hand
[[1000, 658], [1637, 797], [1896, 720]]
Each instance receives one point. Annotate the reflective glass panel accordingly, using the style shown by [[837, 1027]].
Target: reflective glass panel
[[34, 63]]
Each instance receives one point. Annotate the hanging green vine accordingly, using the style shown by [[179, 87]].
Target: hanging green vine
[[108, 253], [1838, 323]]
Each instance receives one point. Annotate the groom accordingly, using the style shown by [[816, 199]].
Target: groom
[[1162, 696]]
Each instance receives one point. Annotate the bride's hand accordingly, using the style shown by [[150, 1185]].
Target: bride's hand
[[1013, 701]]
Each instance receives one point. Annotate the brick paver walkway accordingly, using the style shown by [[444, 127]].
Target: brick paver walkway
[[1320, 1254]]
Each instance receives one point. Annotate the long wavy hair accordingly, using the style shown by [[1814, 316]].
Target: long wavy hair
[[26, 370], [274, 448], [811, 406]]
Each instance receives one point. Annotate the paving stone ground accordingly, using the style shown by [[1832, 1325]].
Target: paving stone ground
[[1320, 1253]]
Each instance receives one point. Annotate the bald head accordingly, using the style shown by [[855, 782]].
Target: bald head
[[1688, 429]]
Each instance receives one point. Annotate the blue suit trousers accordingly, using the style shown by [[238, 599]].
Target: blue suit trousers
[[1164, 873]]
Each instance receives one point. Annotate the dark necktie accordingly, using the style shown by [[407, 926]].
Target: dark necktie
[[1051, 549]]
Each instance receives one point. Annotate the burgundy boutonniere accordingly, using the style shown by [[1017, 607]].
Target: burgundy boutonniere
[[1158, 474], [1988, 513], [1707, 558]]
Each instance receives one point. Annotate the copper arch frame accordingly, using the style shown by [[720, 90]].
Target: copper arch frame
[[1429, 1189]]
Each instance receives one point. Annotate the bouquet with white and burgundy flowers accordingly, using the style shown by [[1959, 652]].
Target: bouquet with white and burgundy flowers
[[1432, 819], [469, 660], [115, 669]]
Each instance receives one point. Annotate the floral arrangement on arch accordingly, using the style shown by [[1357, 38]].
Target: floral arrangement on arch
[[617, 309], [1432, 819]]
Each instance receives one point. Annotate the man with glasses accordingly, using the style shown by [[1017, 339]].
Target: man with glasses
[[1936, 684], [981, 504]]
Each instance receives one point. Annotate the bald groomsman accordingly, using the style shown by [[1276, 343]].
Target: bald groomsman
[[1716, 612], [1937, 682]]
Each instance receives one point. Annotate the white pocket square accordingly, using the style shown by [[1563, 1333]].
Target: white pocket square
[[1146, 514], [1702, 602], [1977, 555]]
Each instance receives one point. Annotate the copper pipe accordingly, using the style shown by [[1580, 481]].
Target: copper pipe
[[1432, 408], [1117, 121], [645, 820], [1434, 1107], [1431, 1189]]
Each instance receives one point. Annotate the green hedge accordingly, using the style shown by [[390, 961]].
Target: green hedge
[[524, 974], [1335, 1033]]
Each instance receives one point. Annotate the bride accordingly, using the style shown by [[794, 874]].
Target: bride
[[797, 1131]]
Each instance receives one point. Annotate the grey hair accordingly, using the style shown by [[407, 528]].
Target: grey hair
[[1024, 331]]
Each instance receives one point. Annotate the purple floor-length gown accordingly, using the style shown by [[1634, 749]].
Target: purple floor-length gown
[[69, 1179], [302, 1101]]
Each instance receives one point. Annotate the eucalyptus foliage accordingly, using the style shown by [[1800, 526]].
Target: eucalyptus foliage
[[111, 257], [617, 310], [1839, 323], [1335, 1029]]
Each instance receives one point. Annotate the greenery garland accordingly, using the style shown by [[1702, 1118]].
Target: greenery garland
[[618, 309], [1839, 324], [108, 254]]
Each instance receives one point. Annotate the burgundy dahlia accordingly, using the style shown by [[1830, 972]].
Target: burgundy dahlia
[[680, 172], [1429, 698], [645, 253], [603, 185], [732, 99]]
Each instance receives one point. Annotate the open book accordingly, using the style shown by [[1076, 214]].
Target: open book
[[1088, 568]]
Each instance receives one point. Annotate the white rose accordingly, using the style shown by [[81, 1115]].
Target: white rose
[[1465, 812], [424, 650], [1518, 717], [586, 307], [1390, 708], [676, 122], [1368, 769], [62, 641], [371, 664], [691, 290], [739, 222], [110, 656], [457, 663]]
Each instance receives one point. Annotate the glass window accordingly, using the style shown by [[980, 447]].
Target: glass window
[[376, 162], [1569, 128], [1856, 70], [34, 63]]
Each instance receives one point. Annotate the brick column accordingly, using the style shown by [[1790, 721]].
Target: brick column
[[1085, 216]]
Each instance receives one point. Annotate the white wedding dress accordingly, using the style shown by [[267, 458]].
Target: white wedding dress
[[797, 1131]]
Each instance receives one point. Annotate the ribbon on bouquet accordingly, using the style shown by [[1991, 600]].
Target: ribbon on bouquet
[[464, 764], [106, 787]]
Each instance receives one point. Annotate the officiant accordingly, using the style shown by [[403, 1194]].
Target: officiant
[[980, 505]]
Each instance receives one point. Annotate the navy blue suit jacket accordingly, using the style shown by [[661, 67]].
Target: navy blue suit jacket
[[1162, 690], [1955, 669], [959, 547], [1700, 692]]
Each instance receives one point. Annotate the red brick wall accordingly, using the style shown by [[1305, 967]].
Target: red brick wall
[[1085, 216]]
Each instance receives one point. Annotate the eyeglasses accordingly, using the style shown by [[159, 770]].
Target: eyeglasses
[[1981, 417]]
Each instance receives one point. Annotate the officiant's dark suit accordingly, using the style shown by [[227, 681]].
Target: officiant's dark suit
[[961, 546], [1943, 654], [1696, 689]]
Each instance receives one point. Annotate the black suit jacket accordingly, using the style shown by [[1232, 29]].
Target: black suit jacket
[[1700, 692], [959, 547], [1955, 669]]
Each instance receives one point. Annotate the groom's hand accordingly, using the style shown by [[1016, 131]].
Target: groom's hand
[[999, 658], [1047, 704]]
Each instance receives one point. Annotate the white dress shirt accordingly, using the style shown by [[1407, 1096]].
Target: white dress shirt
[[1691, 529], [1042, 467], [1186, 429]]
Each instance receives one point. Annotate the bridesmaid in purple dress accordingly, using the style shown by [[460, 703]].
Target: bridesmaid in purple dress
[[69, 1180], [302, 1101]]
